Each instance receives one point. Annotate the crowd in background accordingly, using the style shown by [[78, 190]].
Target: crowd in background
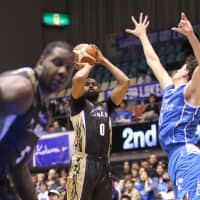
[[60, 111], [143, 180], [136, 180]]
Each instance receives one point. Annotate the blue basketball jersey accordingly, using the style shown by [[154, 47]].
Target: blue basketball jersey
[[178, 120]]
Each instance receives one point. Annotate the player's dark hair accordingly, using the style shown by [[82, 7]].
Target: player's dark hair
[[93, 80], [191, 63], [52, 45]]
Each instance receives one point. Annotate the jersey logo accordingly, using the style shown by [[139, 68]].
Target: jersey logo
[[99, 112]]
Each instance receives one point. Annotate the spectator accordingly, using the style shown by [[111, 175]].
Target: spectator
[[56, 127], [145, 186], [169, 194], [162, 185], [160, 171], [63, 193], [53, 107], [151, 111], [143, 77], [153, 161], [130, 190], [158, 179], [63, 173], [40, 180], [162, 163], [139, 108], [135, 165], [43, 194], [122, 115], [126, 168], [53, 195], [115, 192], [135, 174], [145, 164], [52, 181], [62, 108], [141, 170], [63, 182]]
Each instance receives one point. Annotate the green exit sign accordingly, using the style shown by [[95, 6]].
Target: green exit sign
[[56, 19]]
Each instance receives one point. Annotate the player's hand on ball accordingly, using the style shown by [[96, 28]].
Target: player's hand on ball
[[85, 53], [100, 57]]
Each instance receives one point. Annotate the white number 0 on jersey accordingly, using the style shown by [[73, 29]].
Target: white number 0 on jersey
[[102, 129]]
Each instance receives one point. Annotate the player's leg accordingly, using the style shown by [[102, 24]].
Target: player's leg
[[79, 183], [188, 176], [103, 189], [75, 179]]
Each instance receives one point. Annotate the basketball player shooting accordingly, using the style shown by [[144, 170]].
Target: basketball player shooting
[[180, 111], [89, 176]]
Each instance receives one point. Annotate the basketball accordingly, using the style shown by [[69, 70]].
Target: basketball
[[85, 53]]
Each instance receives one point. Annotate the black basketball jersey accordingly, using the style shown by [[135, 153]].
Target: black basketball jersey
[[19, 133], [92, 126]]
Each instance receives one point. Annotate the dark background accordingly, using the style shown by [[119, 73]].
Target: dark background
[[23, 36]]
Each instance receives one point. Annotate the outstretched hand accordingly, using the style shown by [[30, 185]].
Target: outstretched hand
[[184, 25], [140, 26]]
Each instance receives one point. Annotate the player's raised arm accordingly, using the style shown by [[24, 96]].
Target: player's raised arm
[[185, 28], [84, 54], [78, 81], [118, 93], [152, 59]]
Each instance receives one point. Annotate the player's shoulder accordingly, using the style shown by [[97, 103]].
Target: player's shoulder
[[14, 87], [21, 79], [16, 93], [17, 83]]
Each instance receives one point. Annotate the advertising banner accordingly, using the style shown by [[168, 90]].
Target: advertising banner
[[140, 92], [53, 149]]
